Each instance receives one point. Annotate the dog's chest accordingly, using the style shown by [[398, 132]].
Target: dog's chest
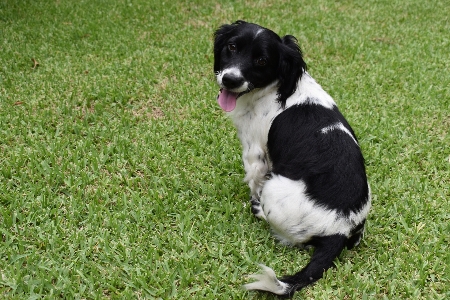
[[253, 119]]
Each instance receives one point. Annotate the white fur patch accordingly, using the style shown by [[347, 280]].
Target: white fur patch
[[295, 218], [267, 281], [309, 91], [258, 32], [338, 126]]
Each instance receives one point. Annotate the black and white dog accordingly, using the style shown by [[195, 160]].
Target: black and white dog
[[302, 160]]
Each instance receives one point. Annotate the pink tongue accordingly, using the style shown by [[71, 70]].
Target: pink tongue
[[227, 100]]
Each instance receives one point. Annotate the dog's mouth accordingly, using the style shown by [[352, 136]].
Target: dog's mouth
[[227, 99]]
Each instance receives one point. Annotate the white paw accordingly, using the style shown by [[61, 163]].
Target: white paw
[[257, 209]]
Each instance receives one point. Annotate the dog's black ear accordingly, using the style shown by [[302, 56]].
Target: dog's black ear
[[290, 69], [221, 36]]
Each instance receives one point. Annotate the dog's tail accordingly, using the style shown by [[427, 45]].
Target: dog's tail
[[327, 249]]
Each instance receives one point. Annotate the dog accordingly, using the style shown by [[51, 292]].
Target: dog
[[302, 160]]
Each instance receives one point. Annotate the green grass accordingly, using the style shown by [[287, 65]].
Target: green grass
[[120, 178]]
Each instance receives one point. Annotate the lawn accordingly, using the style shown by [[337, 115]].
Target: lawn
[[120, 177]]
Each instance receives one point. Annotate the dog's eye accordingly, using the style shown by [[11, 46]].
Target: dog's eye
[[261, 61], [232, 47]]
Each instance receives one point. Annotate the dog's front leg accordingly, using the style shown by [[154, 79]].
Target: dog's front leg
[[256, 168]]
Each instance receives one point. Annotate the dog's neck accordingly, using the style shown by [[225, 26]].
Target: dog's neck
[[253, 101]]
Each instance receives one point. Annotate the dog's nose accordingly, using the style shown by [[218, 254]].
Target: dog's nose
[[232, 81]]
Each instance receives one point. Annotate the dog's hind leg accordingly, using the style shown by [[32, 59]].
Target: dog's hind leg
[[356, 236]]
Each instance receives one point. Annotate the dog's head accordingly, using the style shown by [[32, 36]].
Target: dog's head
[[248, 56]]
